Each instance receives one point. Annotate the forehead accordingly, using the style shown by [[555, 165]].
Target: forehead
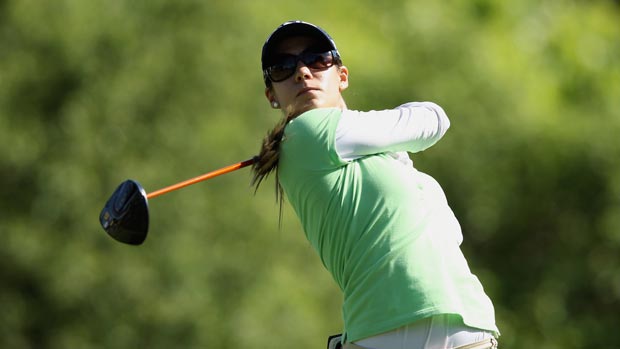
[[296, 45]]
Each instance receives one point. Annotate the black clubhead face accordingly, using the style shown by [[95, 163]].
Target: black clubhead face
[[125, 216]]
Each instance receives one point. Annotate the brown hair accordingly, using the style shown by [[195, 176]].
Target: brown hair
[[268, 158]]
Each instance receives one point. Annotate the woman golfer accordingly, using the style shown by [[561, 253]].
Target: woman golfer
[[383, 229]]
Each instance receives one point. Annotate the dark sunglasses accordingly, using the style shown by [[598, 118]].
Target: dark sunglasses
[[285, 65]]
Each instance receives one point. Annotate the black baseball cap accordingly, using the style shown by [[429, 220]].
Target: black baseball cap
[[295, 28]]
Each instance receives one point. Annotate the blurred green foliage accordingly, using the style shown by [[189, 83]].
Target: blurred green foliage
[[94, 92]]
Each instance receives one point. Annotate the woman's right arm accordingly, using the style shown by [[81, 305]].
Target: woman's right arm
[[411, 127]]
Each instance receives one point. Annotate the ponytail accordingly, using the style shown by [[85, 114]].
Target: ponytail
[[267, 161]]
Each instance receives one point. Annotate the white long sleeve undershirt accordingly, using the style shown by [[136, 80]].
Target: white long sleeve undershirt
[[411, 127]]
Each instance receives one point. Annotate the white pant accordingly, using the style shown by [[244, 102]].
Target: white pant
[[437, 332]]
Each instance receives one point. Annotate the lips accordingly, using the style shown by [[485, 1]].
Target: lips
[[306, 90]]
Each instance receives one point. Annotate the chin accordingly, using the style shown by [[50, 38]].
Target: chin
[[306, 107]]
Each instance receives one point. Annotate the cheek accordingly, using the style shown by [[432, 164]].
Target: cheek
[[332, 84], [282, 94]]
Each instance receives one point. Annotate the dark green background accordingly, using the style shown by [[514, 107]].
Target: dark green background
[[94, 92]]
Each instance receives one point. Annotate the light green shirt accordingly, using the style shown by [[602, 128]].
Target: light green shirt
[[382, 229]]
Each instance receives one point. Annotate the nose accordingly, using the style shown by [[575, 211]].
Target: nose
[[302, 72]]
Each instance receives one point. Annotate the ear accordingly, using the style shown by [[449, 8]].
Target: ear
[[271, 97], [343, 73]]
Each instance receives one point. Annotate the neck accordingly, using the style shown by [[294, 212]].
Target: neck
[[290, 114]]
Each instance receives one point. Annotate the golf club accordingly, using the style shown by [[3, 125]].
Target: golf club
[[125, 216]]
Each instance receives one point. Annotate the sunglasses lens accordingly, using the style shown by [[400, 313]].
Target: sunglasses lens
[[280, 73], [285, 67], [282, 69], [318, 60]]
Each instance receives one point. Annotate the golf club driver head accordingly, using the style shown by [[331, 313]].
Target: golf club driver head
[[125, 216]]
